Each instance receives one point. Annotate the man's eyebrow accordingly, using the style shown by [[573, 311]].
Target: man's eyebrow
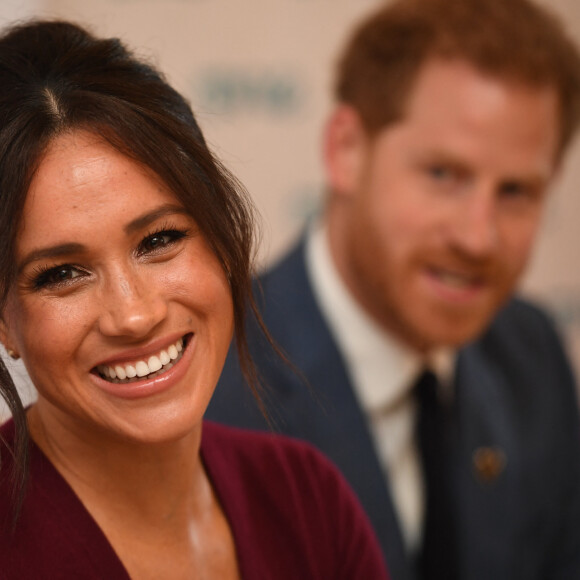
[[148, 218], [536, 178], [51, 252]]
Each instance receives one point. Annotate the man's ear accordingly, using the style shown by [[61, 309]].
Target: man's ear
[[345, 148]]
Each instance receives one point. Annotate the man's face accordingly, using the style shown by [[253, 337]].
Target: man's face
[[437, 222]]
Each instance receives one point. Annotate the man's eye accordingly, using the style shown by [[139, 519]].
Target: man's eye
[[439, 172], [515, 189]]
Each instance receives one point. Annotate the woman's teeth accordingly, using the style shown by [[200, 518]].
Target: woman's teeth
[[150, 368]]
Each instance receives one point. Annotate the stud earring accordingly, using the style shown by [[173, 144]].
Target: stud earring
[[12, 354]]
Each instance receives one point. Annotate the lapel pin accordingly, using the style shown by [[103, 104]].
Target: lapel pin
[[488, 464]]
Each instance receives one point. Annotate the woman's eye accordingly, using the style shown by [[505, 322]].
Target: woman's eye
[[158, 241], [57, 276]]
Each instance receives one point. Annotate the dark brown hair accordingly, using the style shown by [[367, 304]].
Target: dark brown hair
[[514, 40], [55, 77]]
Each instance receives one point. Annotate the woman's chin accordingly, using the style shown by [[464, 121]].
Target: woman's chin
[[161, 424]]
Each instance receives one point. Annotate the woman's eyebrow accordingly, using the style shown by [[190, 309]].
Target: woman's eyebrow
[[51, 252], [150, 217], [69, 248]]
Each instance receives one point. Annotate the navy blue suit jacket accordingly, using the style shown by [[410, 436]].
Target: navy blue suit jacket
[[514, 392]]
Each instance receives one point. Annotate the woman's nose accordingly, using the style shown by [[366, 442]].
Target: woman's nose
[[131, 306]]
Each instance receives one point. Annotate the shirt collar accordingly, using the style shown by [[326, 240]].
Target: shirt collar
[[382, 368]]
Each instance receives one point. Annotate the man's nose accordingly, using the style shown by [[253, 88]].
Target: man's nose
[[475, 229]]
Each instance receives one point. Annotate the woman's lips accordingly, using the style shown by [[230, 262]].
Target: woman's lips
[[149, 367], [152, 383]]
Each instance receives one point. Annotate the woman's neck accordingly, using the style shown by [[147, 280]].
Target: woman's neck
[[153, 501], [151, 478]]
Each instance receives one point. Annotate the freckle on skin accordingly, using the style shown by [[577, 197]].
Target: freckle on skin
[[125, 288]]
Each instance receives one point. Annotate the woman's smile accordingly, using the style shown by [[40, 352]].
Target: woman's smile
[[149, 382], [111, 263], [148, 367]]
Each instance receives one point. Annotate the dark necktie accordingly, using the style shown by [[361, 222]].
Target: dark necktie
[[437, 559]]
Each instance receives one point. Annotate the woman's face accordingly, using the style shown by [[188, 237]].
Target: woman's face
[[121, 312]]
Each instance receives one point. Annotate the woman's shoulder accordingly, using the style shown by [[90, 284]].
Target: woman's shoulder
[[265, 454], [269, 484], [6, 465], [287, 474], [7, 432], [53, 531], [249, 443]]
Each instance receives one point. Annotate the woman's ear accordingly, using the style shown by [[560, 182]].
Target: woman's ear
[[6, 341], [345, 148]]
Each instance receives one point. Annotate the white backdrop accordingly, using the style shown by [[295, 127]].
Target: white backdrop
[[258, 75]]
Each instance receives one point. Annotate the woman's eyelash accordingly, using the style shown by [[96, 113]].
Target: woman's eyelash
[[54, 276], [160, 239], [63, 274]]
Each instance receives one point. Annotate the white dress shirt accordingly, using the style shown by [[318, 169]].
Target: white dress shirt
[[382, 371]]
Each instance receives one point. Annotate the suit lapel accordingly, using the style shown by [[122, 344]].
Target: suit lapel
[[328, 414], [486, 467]]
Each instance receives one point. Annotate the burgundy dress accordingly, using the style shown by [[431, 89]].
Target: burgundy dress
[[291, 513]]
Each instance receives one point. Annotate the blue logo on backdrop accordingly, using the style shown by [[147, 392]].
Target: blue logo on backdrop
[[249, 91]]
